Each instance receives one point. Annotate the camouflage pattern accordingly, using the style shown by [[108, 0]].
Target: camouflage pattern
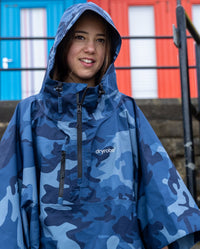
[[130, 195]]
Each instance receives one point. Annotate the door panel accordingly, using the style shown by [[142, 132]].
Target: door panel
[[26, 18], [33, 52], [143, 51], [166, 81], [10, 87], [20, 19]]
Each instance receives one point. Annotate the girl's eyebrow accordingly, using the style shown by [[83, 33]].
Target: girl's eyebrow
[[84, 32]]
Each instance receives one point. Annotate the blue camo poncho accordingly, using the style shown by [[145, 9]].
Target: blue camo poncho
[[116, 189]]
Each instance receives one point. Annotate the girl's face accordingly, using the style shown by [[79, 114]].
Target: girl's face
[[86, 53]]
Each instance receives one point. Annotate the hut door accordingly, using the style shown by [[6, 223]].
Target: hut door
[[33, 52], [25, 19]]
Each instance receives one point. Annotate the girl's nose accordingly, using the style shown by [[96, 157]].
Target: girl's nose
[[90, 47]]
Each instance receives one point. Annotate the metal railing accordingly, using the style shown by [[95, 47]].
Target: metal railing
[[117, 67], [180, 39]]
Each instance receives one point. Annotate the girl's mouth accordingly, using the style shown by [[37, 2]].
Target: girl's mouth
[[87, 61]]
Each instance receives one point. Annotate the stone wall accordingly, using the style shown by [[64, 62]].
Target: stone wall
[[165, 116], [6, 111]]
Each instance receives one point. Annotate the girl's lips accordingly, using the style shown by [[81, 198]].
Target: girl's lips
[[87, 61]]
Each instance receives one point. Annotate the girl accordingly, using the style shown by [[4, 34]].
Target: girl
[[80, 166]]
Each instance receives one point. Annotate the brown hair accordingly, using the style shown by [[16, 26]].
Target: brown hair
[[60, 69]]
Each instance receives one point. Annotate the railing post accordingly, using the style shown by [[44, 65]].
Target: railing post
[[197, 52], [186, 104]]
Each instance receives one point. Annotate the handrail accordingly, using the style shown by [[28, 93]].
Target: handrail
[[180, 39], [52, 37], [117, 68], [191, 28], [15, 38]]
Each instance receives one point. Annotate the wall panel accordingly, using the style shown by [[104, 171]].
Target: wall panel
[[169, 85]]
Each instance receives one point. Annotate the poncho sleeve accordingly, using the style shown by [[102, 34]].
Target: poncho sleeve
[[167, 213], [18, 206]]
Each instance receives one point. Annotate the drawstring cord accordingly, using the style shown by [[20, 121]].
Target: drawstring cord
[[59, 89]]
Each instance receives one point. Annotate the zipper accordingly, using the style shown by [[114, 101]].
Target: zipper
[[79, 133], [79, 139], [62, 177]]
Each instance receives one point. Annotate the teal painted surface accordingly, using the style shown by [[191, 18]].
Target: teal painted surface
[[10, 81]]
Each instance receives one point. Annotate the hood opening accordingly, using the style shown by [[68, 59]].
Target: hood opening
[[60, 69]]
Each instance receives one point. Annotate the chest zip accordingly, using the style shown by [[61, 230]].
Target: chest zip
[[79, 132]]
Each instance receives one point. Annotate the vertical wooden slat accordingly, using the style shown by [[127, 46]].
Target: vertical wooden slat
[[119, 13]]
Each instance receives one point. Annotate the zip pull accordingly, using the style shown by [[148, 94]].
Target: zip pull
[[62, 178], [79, 108], [101, 90], [59, 89], [79, 113]]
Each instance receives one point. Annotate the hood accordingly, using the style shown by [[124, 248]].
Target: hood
[[108, 81]]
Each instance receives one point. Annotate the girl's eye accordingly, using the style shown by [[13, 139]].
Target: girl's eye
[[79, 37], [101, 40]]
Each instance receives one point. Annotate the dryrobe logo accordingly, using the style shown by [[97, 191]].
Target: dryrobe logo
[[105, 151]]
